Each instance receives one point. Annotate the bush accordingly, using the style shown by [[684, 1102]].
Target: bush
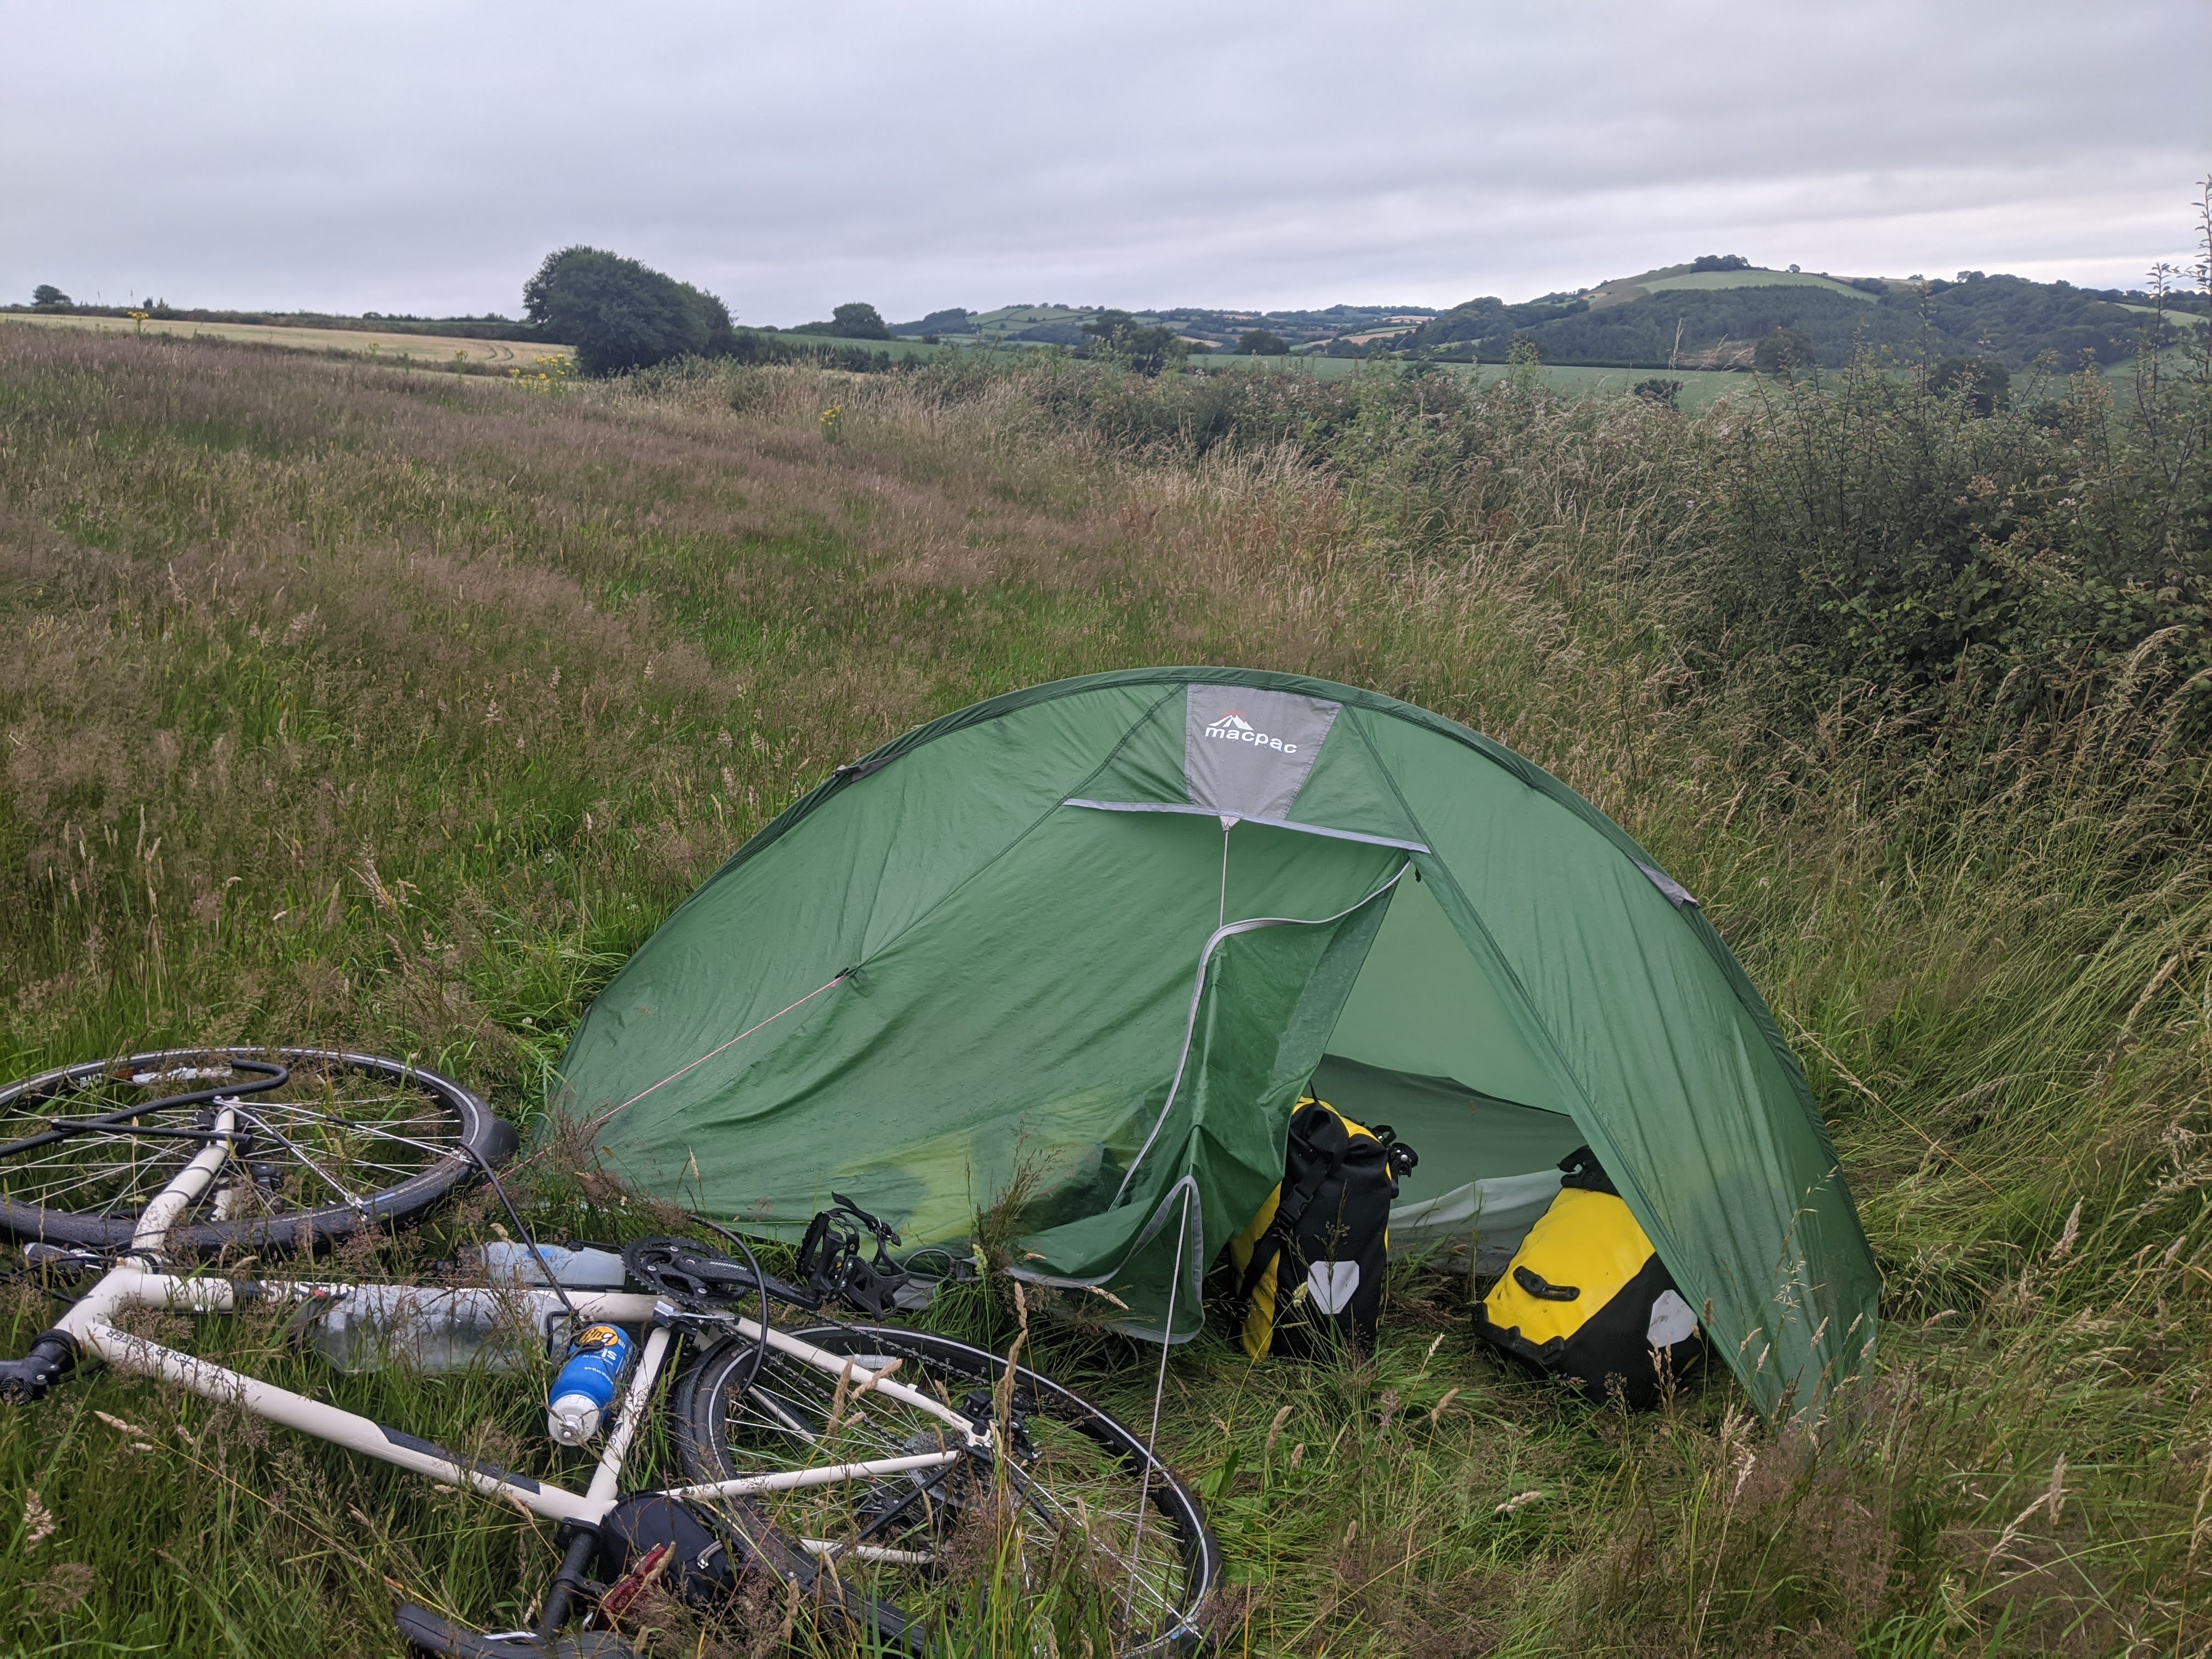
[[1115, 337], [620, 314], [1869, 532], [1859, 535], [1658, 391]]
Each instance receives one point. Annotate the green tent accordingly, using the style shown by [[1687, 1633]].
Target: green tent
[[1087, 943]]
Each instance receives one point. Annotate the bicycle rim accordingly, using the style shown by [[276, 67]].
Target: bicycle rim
[[343, 1142], [1034, 1549]]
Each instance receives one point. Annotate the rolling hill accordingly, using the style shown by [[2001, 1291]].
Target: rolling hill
[[1708, 314], [1686, 318]]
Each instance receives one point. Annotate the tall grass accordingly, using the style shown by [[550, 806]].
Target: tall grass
[[397, 708]]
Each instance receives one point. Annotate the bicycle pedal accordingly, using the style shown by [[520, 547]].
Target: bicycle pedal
[[61, 1262]]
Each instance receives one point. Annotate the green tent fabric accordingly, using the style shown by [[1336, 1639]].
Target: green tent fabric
[[1080, 948]]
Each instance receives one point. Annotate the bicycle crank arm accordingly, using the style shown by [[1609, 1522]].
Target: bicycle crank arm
[[425, 1632]]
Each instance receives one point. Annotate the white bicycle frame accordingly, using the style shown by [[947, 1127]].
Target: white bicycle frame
[[136, 1282]]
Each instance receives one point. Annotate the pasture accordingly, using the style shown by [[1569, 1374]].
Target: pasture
[[396, 709]]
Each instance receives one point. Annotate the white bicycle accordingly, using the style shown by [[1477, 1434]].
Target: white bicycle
[[857, 1467]]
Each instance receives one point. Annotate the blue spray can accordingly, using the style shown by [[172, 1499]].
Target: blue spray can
[[586, 1387]]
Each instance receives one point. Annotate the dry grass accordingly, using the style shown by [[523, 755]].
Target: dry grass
[[398, 707]]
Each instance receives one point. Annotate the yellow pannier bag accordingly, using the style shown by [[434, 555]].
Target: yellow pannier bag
[[1587, 1298]]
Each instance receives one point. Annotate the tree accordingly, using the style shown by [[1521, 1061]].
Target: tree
[[859, 321], [1261, 343], [620, 314], [1784, 353], [856, 321], [1984, 384], [1115, 337], [47, 297], [1720, 262]]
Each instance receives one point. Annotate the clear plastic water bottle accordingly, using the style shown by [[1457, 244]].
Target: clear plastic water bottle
[[580, 1397], [369, 1327], [580, 1268]]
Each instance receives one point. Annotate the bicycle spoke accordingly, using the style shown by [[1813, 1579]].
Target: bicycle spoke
[[319, 1135], [1059, 1506]]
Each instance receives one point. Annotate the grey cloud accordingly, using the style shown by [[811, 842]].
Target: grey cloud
[[423, 157]]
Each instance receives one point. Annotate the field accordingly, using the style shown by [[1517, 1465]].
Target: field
[[429, 350], [1711, 279], [350, 704]]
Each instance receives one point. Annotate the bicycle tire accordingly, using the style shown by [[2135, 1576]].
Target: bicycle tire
[[702, 1433], [110, 1172]]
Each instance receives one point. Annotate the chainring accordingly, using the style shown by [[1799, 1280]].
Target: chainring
[[692, 1277]]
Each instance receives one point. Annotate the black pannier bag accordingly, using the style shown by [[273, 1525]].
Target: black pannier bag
[[1586, 1297], [1325, 1234]]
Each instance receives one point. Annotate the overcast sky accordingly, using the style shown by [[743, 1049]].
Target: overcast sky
[[423, 157]]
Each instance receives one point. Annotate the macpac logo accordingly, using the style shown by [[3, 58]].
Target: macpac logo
[[1233, 728]]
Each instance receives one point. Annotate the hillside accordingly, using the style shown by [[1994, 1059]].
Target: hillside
[[1681, 316], [1216, 330], [1706, 313]]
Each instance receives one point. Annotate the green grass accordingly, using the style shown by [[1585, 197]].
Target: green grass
[[1701, 388], [351, 704]]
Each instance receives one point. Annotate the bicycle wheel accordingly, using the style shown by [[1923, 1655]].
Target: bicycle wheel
[[322, 1142], [1074, 1530]]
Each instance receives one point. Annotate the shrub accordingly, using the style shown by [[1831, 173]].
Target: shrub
[[1116, 337], [1658, 391]]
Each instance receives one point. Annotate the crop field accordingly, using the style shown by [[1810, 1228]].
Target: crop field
[[1718, 279], [422, 350], [358, 706], [1623, 289]]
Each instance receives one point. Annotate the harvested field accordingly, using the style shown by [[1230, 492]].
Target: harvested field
[[427, 351]]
